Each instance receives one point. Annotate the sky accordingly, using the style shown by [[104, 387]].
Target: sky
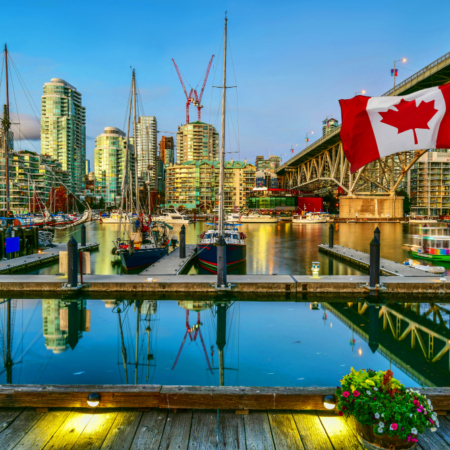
[[290, 60]]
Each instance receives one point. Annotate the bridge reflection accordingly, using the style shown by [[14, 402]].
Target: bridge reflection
[[414, 337]]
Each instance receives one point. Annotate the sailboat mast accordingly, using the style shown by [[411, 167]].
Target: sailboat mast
[[222, 133], [6, 126], [135, 146]]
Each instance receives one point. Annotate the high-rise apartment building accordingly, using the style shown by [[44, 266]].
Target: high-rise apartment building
[[329, 125], [147, 146], [270, 164], [10, 145], [429, 184], [109, 164], [197, 141], [167, 150], [63, 129], [195, 184]]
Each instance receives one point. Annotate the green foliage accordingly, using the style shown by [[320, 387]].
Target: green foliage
[[378, 399], [406, 201]]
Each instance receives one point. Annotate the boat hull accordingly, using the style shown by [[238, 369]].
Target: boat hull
[[431, 257], [142, 257], [207, 255], [309, 221]]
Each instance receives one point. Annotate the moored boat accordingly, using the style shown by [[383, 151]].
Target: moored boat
[[433, 243], [250, 218], [311, 217]]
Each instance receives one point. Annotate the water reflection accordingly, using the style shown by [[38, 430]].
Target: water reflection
[[222, 341]]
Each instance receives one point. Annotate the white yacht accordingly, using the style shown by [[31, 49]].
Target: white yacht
[[251, 218], [115, 218], [311, 217], [171, 216]]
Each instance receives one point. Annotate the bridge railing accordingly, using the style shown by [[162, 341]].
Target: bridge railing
[[417, 74]]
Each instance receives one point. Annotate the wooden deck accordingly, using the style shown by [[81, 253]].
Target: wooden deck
[[83, 429]]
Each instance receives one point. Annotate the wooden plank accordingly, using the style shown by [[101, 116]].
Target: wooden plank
[[203, 431], [7, 417], [67, 396], [432, 441], [252, 398], [177, 430], [68, 433], [444, 428], [150, 431], [41, 433], [284, 431], [122, 433], [258, 435], [94, 434], [311, 431], [339, 432], [19, 428], [231, 431]]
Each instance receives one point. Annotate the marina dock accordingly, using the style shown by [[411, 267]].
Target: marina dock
[[362, 260], [39, 259], [186, 418], [171, 264]]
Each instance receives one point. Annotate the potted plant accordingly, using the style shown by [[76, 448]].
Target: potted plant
[[387, 415]]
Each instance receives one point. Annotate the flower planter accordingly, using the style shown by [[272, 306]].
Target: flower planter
[[372, 441]]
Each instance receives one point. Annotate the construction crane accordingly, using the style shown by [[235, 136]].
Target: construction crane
[[193, 97]]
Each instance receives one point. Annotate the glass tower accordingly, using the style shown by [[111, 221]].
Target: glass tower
[[63, 129], [147, 145]]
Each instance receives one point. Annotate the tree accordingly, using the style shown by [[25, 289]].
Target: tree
[[406, 200]]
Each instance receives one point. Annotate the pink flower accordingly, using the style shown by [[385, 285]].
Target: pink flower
[[394, 426], [419, 410], [356, 393], [431, 421], [345, 394]]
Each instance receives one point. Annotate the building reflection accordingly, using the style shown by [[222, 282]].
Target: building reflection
[[63, 323]]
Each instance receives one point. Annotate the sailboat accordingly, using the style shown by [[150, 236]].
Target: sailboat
[[226, 235], [145, 245]]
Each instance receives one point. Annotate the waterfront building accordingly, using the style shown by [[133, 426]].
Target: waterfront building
[[273, 199], [195, 184], [270, 164], [329, 125], [109, 164], [10, 145], [88, 166], [429, 184], [265, 178], [63, 129], [197, 141], [167, 150], [147, 146]]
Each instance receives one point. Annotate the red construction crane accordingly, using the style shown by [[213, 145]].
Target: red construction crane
[[196, 99]]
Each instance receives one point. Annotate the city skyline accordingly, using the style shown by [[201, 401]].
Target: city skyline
[[266, 45]]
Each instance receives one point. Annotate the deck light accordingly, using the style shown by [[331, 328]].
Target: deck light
[[93, 400], [315, 269], [329, 402]]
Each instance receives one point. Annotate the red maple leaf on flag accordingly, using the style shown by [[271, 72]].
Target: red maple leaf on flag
[[409, 116]]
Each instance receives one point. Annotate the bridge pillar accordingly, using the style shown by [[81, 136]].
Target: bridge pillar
[[371, 207]]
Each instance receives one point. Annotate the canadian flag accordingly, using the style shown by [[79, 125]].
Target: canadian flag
[[375, 127]]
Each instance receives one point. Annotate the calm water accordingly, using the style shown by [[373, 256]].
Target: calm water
[[283, 248], [263, 343]]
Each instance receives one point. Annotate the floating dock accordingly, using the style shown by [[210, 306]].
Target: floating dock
[[171, 264], [38, 259], [361, 259], [186, 418]]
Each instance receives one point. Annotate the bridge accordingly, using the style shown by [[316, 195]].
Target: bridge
[[323, 165]]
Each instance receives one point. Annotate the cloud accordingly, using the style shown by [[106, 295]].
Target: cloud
[[25, 127]]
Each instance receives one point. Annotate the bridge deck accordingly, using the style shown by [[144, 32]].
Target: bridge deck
[[362, 259], [125, 429], [38, 259]]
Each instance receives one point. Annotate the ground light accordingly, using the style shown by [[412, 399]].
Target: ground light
[[93, 400], [329, 402]]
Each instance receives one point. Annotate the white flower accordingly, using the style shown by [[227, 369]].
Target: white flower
[[433, 429], [414, 430], [368, 393], [380, 430], [381, 425], [375, 388], [391, 428], [410, 415], [434, 416], [382, 414], [377, 416], [431, 407], [437, 422], [429, 402]]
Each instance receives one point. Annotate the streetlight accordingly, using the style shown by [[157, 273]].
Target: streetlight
[[292, 147], [394, 71], [360, 93], [307, 138]]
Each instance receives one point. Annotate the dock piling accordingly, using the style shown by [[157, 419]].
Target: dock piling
[[83, 235], [72, 254], [377, 234], [330, 236], [374, 262], [221, 262], [183, 242]]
